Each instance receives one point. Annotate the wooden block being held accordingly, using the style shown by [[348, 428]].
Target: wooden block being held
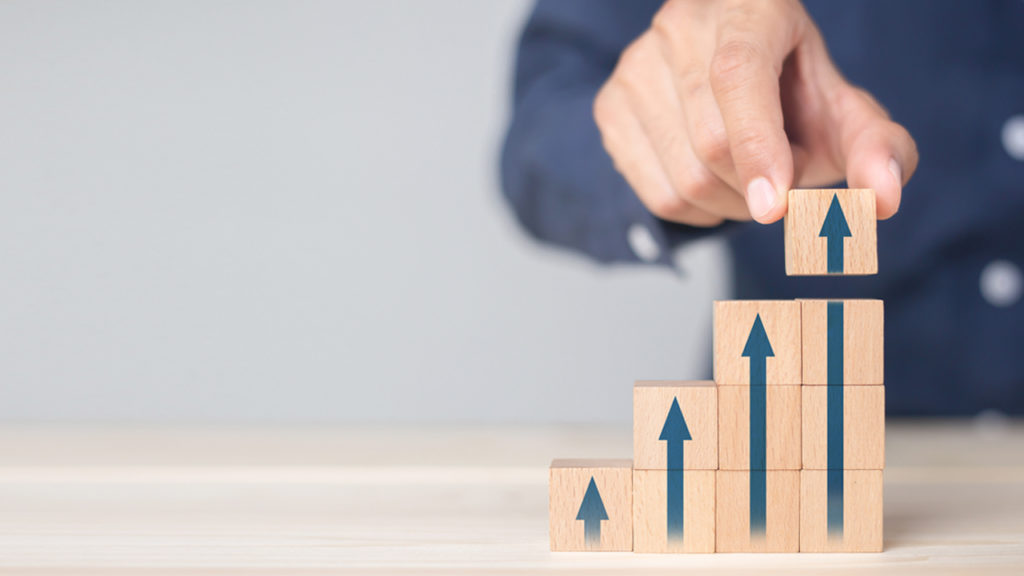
[[859, 427], [841, 520], [757, 511], [675, 425], [779, 436], [831, 232], [757, 339], [843, 342], [590, 505], [674, 511]]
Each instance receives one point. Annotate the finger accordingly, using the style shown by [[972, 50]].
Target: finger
[[709, 138], [879, 153], [744, 78], [652, 94], [635, 159], [808, 77], [688, 52]]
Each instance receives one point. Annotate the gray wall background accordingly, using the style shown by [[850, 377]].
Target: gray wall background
[[270, 211]]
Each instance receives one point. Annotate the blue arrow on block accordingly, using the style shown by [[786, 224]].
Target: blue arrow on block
[[674, 433], [592, 512], [835, 229], [758, 349], [834, 413]]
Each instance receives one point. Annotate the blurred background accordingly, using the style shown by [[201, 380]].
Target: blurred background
[[259, 212]]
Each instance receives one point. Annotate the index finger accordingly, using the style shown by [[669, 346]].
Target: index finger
[[744, 77]]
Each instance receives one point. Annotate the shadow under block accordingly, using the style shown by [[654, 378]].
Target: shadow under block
[[688, 428], [742, 346], [733, 512], [693, 527], [863, 427], [831, 232], [862, 498], [781, 431], [591, 519], [857, 343]]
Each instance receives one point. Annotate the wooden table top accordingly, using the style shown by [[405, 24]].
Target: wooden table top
[[435, 500]]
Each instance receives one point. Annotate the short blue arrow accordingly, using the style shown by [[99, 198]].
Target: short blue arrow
[[835, 229], [758, 349], [674, 433], [834, 412], [592, 512]]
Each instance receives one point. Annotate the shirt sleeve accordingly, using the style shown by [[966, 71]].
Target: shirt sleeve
[[556, 175]]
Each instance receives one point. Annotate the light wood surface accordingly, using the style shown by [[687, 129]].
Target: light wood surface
[[732, 512], [806, 250], [782, 427], [698, 403], [650, 522], [434, 500], [863, 338], [863, 427], [862, 512], [733, 320], [569, 482]]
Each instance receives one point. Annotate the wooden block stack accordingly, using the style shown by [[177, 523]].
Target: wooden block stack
[[675, 455], [757, 369], [784, 450], [843, 426]]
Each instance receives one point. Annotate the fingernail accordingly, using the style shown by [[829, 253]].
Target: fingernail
[[760, 197], [896, 171]]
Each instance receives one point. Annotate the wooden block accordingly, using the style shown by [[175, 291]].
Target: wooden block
[[651, 492], [781, 497], [742, 343], [831, 232], [855, 342], [781, 434], [863, 427], [861, 512], [676, 417], [590, 505]]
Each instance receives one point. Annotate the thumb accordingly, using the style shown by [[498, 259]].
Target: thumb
[[879, 153]]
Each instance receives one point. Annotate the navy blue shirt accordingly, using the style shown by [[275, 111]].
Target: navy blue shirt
[[951, 71]]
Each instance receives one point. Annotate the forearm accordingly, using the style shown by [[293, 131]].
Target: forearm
[[556, 174]]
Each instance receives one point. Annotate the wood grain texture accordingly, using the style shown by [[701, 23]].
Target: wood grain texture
[[863, 427], [863, 341], [568, 483], [733, 320], [806, 250], [698, 402], [732, 512], [649, 512], [782, 422], [461, 500], [862, 512]]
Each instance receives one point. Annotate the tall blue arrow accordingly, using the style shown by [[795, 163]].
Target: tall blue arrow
[[758, 349], [835, 229], [592, 512], [834, 412], [674, 433]]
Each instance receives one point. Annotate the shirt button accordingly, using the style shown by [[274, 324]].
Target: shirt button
[[1001, 283], [643, 244], [1013, 137]]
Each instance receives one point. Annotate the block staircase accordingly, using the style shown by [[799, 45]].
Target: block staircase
[[784, 450]]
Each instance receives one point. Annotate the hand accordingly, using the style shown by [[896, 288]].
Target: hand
[[721, 107]]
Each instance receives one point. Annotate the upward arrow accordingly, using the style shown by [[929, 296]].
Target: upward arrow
[[674, 433], [835, 229], [758, 348], [592, 512]]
